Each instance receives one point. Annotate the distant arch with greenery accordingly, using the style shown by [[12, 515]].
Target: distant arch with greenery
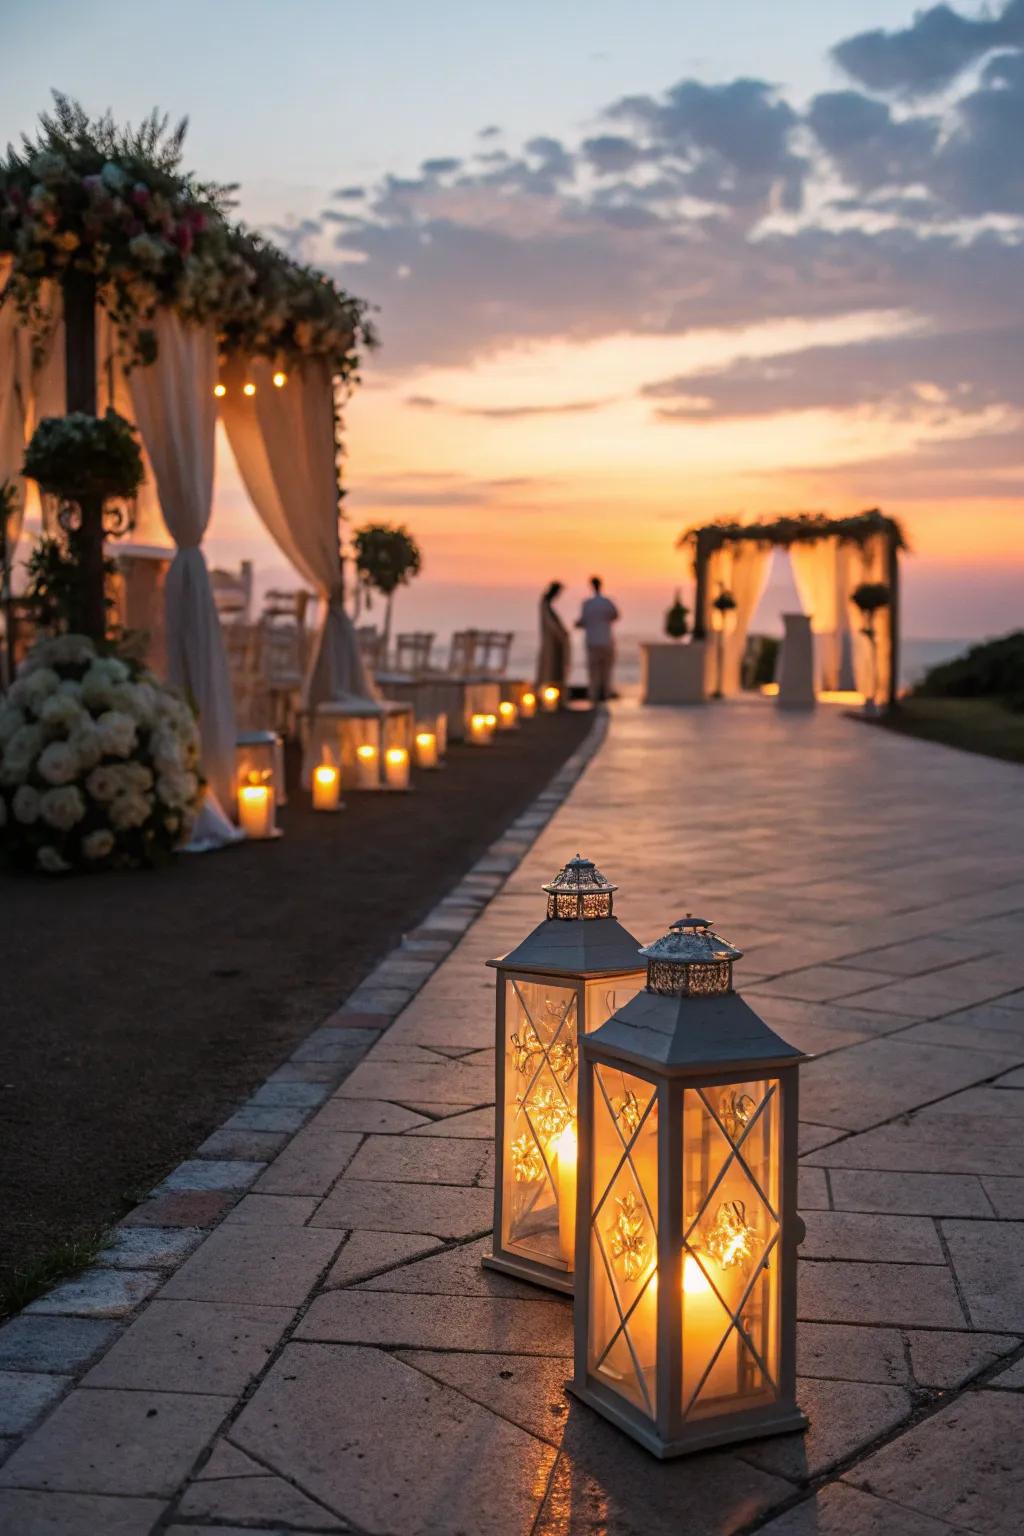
[[802, 528]]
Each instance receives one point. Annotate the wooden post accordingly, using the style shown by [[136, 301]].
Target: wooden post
[[86, 540], [700, 600], [892, 577]]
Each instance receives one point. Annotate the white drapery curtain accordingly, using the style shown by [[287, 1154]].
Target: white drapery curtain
[[869, 563], [176, 411], [742, 570], [283, 443], [822, 575], [113, 389], [31, 387]]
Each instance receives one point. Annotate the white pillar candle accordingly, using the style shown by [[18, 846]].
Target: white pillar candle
[[326, 787], [528, 706], [396, 768], [549, 698], [508, 715], [481, 730], [367, 767], [565, 1153], [256, 810], [426, 749]]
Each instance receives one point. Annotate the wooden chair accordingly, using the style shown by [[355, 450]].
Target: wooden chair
[[232, 593], [497, 643], [412, 653]]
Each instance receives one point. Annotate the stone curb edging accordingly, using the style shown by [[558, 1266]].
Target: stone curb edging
[[50, 1344]]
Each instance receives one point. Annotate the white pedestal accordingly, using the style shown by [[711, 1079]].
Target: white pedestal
[[796, 667], [672, 673]]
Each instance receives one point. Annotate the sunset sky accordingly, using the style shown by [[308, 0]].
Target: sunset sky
[[637, 265]]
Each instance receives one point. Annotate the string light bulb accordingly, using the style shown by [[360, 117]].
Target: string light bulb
[[220, 390], [280, 379], [248, 389]]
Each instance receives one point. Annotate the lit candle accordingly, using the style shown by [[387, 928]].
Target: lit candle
[[396, 768], [565, 1154], [426, 749], [367, 767], [256, 810], [550, 697], [528, 706], [508, 715], [704, 1323], [481, 730], [326, 787]]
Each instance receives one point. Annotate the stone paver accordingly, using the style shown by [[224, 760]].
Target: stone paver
[[419, 1482], [262, 1266], [371, 1375], [988, 1260], [139, 1443], [963, 1465], [32, 1513], [50, 1343], [25, 1396], [192, 1346]]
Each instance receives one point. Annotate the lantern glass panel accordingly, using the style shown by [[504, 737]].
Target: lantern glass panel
[[606, 995], [624, 1236], [730, 1241], [540, 1103]]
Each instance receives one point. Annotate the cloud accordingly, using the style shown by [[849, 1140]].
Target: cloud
[[609, 153], [940, 376], [870, 147], [506, 412], [931, 52], [440, 167], [456, 490], [986, 464]]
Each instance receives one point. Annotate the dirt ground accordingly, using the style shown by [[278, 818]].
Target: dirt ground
[[136, 1010]]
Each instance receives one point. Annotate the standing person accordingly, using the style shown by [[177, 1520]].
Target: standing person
[[597, 616], [553, 661]]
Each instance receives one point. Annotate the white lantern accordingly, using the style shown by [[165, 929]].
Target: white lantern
[[688, 1229], [575, 969]]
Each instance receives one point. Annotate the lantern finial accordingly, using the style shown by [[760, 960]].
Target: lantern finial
[[690, 960], [579, 890]]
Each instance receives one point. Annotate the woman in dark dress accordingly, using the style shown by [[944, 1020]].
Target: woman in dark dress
[[553, 661]]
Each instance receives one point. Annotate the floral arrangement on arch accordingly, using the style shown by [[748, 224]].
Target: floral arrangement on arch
[[99, 762], [287, 312], [114, 204]]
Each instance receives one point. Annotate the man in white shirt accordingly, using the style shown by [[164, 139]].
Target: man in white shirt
[[597, 616]]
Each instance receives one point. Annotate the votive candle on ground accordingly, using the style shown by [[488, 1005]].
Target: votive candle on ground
[[326, 787], [426, 749], [528, 706], [256, 810], [396, 768], [367, 767], [508, 715], [549, 698], [481, 730]]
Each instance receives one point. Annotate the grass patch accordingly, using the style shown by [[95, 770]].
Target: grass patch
[[973, 725], [58, 1263]]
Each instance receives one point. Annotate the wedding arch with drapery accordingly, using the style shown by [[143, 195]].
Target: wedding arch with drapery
[[284, 445], [831, 557]]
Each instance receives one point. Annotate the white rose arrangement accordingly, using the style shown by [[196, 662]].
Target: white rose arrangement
[[99, 762]]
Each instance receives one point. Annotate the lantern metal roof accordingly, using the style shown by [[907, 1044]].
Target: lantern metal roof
[[578, 945], [690, 941], [579, 877], [693, 1034]]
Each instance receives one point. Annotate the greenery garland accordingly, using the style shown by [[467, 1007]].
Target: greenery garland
[[796, 528], [81, 458]]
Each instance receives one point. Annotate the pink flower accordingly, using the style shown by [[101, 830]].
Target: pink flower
[[140, 194], [183, 239]]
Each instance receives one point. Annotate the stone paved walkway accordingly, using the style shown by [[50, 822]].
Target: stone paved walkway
[[331, 1356]]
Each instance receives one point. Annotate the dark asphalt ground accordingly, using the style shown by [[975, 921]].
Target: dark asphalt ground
[[137, 1010]]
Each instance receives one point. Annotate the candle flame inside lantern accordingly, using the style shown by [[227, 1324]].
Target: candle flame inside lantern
[[695, 1281], [366, 752]]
